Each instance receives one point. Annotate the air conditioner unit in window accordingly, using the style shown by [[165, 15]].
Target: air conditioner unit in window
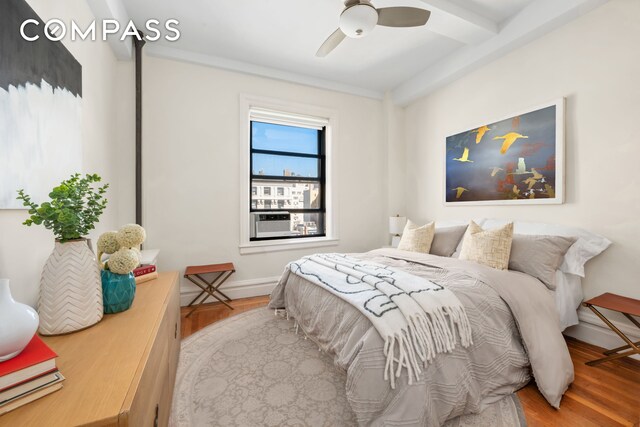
[[270, 224]]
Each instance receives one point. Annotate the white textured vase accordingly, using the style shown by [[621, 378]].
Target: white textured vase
[[70, 289], [18, 323]]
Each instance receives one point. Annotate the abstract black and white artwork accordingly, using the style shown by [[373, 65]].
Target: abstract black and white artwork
[[40, 108]]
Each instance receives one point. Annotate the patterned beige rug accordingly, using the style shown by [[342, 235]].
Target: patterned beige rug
[[254, 370]]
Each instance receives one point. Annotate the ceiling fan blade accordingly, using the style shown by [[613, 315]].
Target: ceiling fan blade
[[330, 43], [402, 16]]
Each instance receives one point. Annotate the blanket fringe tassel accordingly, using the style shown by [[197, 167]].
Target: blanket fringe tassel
[[427, 335]]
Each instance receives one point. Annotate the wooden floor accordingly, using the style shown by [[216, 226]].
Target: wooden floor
[[211, 313], [605, 395]]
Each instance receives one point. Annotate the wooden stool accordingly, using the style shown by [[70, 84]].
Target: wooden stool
[[209, 288], [627, 306]]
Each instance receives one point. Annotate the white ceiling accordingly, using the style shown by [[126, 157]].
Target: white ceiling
[[285, 34], [279, 38]]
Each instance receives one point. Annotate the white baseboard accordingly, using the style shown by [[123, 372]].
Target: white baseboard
[[234, 290], [593, 331]]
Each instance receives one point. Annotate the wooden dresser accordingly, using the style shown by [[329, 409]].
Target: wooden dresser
[[118, 372]]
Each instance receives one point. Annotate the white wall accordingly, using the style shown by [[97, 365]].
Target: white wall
[[396, 156], [595, 63], [191, 177], [107, 131]]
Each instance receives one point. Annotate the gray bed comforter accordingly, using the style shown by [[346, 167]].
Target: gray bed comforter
[[515, 331]]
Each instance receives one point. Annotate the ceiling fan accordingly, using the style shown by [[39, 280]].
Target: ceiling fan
[[359, 17]]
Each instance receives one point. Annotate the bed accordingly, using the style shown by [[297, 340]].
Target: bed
[[515, 327]]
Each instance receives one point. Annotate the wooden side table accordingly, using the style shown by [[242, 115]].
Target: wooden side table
[[629, 307], [209, 288]]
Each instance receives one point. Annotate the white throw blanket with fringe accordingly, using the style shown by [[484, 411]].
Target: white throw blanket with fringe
[[415, 317]]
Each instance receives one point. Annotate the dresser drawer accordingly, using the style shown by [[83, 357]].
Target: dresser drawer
[[153, 380], [152, 403]]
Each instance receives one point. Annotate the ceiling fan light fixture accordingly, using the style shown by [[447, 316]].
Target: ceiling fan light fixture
[[358, 20]]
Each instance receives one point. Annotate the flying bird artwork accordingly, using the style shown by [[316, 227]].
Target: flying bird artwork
[[459, 191], [509, 139], [480, 133], [465, 157], [495, 170], [523, 169], [531, 181], [536, 174]]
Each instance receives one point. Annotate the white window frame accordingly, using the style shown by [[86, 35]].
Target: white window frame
[[289, 113]]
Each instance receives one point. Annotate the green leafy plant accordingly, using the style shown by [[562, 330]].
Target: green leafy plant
[[75, 206]]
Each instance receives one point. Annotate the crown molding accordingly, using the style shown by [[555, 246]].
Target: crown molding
[[166, 52]]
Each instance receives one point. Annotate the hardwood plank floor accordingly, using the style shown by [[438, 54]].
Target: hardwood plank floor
[[213, 312], [601, 396]]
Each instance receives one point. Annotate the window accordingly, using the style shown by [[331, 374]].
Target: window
[[288, 163], [286, 147]]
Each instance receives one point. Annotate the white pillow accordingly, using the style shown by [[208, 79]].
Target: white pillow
[[586, 247], [568, 296]]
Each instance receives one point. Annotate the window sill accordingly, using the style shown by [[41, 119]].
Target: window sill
[[286, 245]]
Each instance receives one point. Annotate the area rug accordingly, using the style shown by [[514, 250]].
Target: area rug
[[253, 369]]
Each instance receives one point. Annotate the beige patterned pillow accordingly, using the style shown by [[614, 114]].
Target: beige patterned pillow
[[488, 247], [417, 239]]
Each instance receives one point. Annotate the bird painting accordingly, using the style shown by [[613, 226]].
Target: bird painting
[[509, 139], [480, 133], [459, 191], [465, 157], [495, 171], [522, 168], [531, 181], [536, 174]]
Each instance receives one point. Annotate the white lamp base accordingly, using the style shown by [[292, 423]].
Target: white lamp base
[[395, 240]]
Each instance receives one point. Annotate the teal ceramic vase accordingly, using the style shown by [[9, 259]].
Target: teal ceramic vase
[[118, 291]]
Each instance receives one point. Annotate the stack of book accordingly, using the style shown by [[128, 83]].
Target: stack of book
[[144, 273], [147, 269], [29, 376]]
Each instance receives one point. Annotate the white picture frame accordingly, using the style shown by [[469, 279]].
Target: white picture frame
[[518, 172]]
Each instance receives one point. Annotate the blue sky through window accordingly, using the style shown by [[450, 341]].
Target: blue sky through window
[[268, 136]]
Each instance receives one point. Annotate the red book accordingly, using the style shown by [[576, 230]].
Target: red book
[[35, 360], [145, 269]]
